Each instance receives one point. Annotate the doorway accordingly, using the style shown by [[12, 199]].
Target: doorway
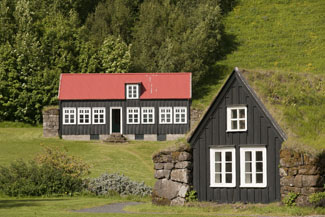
[[116, 120]]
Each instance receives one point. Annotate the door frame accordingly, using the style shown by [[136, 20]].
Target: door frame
[[121, 119]]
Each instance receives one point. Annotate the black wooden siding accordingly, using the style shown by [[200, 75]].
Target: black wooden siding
[[260, 131], [127, 128]]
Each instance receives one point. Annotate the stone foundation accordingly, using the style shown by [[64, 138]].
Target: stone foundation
[[302, 174], [76, 137], [173, 170], [51, 122]]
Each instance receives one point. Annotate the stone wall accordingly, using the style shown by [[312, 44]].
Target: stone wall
[[51, 122], [301, 173], [173, 170]]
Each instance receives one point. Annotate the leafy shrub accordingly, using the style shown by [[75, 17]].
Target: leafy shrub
[[191, 196], [52, 173], [317, 199], [290, 199], [107, 184]]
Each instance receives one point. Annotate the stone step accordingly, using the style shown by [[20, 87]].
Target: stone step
[[116, 138]]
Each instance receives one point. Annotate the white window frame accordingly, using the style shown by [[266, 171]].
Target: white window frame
[[132, 87], [83, 113], [93, 115], [180, 113], [69, 109], [253, 150], [128, 109], [144, 113], [223, 167], [229, 119], [161, 112]]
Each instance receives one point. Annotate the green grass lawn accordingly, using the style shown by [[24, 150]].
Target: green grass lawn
[[132, 159]]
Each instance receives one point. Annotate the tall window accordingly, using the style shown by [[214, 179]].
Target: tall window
[[222, 167], [99, 115], [253, 167], [148, 115], [83, 115], [133, 115], [180, 115], [132, 91], [237, 118], [165, 115], [69, 116]]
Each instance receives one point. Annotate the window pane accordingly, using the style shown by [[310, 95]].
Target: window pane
[[259, 156], [218, 178], [228, 178], [218, 167], [66, 120], [242, 124], [259, 167], [218, 156], [234, 125], [241, 113], [248, 167], [228, 167], [248, 156], [228, 156], [259, 178], [248, 178], [234, 113]]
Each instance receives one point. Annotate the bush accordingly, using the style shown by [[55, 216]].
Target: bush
[[107, 184], [49, 174], [317, 199], [290, 199]]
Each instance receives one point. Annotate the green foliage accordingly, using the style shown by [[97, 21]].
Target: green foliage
[[107, 184], [191, 196], [317, 199], [290, 199]]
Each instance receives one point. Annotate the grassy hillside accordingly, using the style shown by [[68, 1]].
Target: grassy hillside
[[132, 159]]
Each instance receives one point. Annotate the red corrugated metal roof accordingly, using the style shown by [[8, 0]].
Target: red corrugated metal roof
[[112, 86]]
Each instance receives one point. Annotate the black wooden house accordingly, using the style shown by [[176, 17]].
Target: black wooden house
[[144, 106], [236, 148]]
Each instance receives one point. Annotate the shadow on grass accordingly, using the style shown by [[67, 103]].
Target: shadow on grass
[[8, 204]]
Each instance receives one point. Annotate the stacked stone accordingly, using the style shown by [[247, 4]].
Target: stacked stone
[[173, 169], [51, 122], [302, 174]]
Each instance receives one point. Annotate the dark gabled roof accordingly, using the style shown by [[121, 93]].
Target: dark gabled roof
[[100, 86], [193, 134]]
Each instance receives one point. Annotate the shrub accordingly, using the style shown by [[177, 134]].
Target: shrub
[[290, 199], [107, 184], [317, 199], [191, 196]]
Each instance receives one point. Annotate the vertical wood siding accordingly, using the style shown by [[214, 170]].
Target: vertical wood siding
[[127, 128], [260, 131]]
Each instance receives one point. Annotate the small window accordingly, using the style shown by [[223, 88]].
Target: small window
[[222, 167], [236, 119], [165, 115], [133, 115], [132, 91], [180, 115], [99, 115], [148, 115], [253, 167], [69, 116], [84, 116]]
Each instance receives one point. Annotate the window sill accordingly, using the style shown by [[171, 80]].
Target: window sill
[[253, 186], [223, 186], [235, 131]]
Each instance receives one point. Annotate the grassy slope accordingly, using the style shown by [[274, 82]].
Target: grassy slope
[[285, 36], [132, 159]]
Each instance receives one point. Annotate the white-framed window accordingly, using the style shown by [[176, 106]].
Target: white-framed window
[[99, 115], [133, 115], [69, 116], [147, 115], [253, 167], [222, 167], [165, 115], [237, 118], [180, 115], [84, 116], [132, 91]]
